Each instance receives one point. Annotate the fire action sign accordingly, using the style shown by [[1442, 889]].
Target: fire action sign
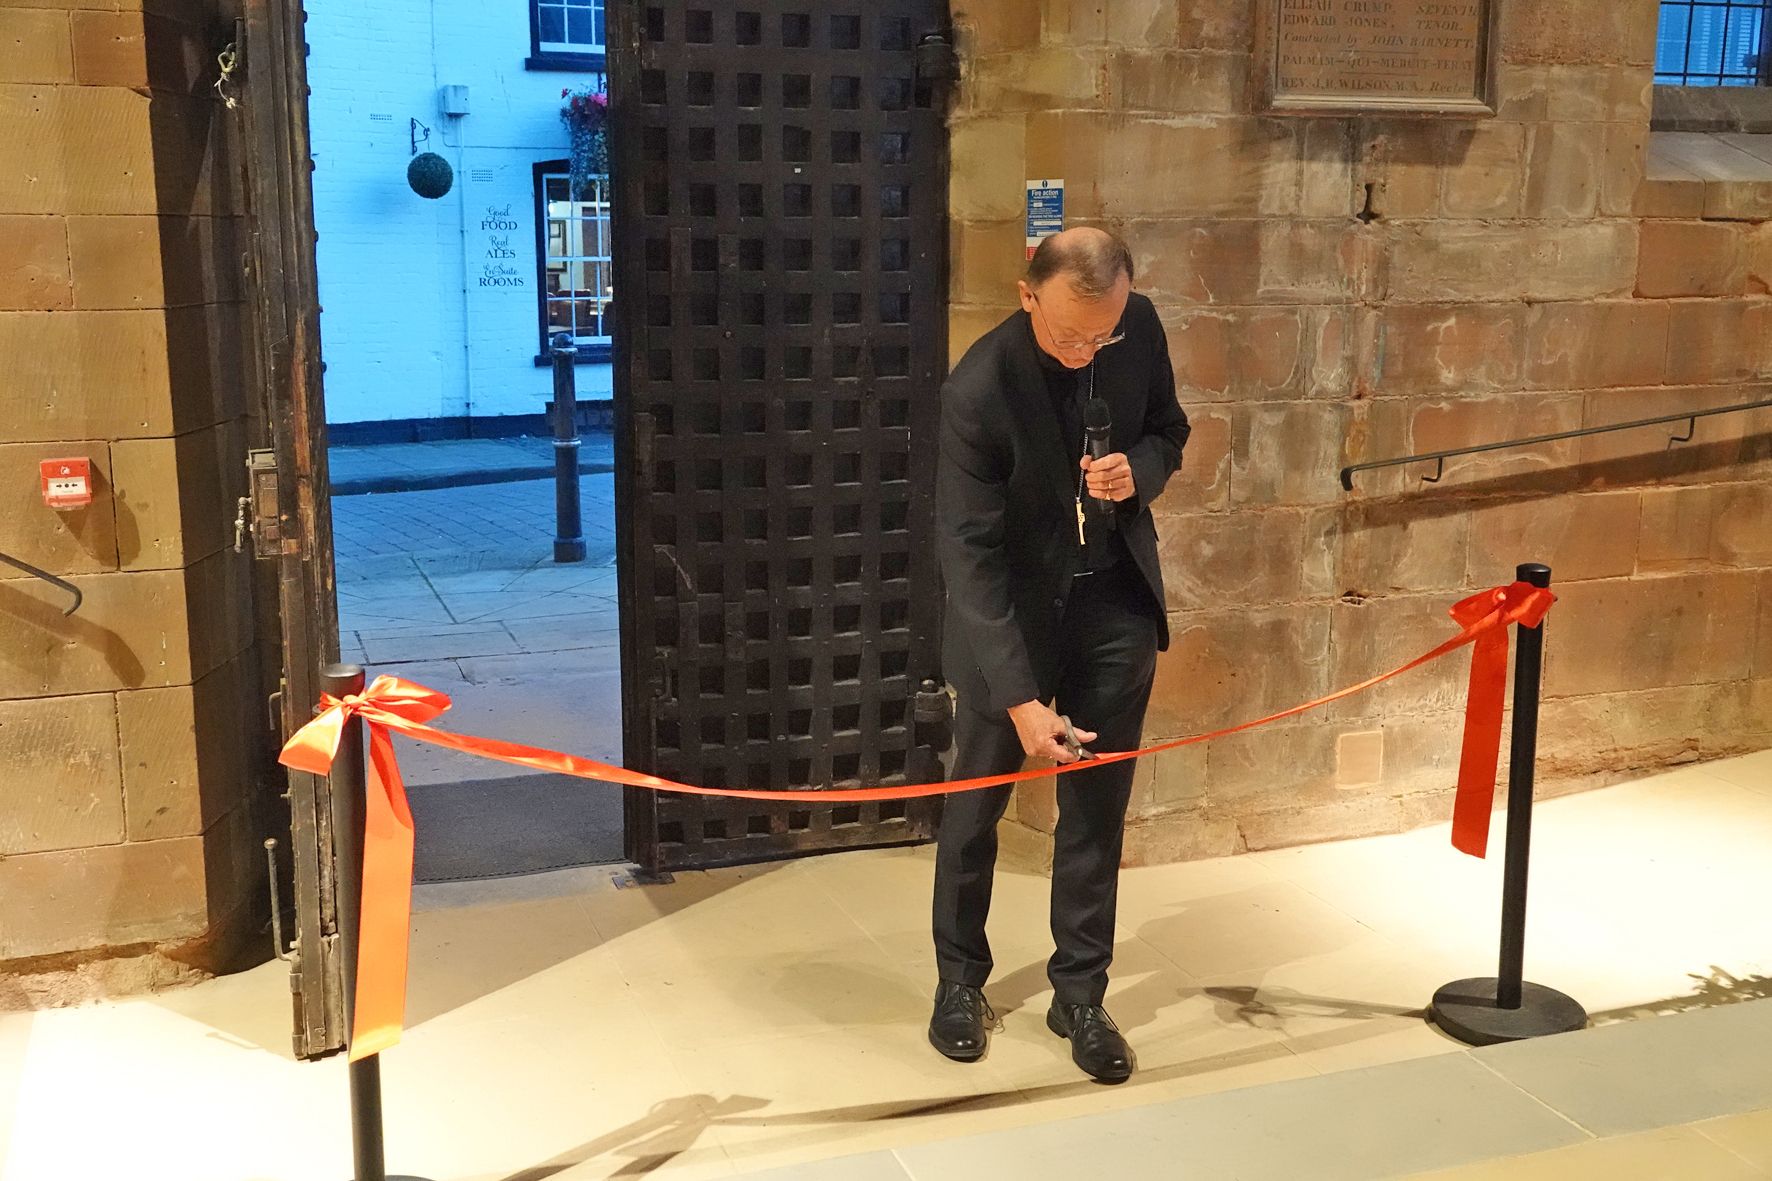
[[1045, 211]]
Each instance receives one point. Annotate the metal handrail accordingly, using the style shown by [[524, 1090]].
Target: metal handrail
[[46, 576], [1690, 417]]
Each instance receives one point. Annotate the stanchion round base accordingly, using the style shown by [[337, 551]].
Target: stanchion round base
[[1466, 1010], [564, 551]]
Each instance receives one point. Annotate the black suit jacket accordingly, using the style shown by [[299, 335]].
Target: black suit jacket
[[1005, 500]]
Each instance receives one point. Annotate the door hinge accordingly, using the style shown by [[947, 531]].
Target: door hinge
[[937, 63], [932, 712]]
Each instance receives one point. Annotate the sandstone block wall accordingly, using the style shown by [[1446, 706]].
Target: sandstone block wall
[[1345, 289], [130, 732]]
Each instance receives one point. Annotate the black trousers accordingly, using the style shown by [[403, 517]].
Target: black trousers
[[1104, 684]]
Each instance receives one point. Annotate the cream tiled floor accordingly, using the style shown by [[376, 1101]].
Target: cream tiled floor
[[740, 1020], [1692, 1152]]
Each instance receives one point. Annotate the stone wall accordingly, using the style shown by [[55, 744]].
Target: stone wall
[[1500, 284], [128, 749]]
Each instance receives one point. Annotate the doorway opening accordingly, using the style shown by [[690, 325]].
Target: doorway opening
[[744, 246], [440, 312]]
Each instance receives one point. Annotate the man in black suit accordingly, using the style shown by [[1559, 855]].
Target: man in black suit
[[1054, 594]]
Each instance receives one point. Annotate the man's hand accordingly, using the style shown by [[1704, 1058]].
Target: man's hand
[[1110, 477], [1042, 732]]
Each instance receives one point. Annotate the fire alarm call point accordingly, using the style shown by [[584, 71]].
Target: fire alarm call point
[[67, 483]]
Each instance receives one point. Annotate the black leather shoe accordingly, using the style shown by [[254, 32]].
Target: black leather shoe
[[1096, 1045], [961, 1018]]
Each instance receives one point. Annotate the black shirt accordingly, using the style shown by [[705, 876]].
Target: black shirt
[[1103, 546]]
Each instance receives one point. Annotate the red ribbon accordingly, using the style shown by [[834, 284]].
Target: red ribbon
[[392, 705], [1520, 603]]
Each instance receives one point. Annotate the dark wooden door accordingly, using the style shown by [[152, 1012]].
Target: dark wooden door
[[291, 511], [781, 329]]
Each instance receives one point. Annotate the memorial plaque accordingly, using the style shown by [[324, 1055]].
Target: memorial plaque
[[1388, 56]]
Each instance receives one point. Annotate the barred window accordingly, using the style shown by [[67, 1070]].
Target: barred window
[[1713, 43], [576, 290]]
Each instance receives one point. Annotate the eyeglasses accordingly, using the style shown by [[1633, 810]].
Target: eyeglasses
[[1075, 346]]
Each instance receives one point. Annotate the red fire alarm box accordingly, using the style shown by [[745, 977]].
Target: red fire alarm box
[[67, 483]]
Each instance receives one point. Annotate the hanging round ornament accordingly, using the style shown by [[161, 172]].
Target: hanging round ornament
[[430, 175]]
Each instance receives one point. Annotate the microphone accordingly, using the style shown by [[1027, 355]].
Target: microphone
[[1098, 424]]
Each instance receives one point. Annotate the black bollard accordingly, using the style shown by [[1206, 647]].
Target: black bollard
[[569, 540], [1484, 1010], [347, 788]]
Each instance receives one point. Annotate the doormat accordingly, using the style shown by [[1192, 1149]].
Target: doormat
[[499, 828]]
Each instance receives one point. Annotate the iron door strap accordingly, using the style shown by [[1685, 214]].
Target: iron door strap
[[781, 241]]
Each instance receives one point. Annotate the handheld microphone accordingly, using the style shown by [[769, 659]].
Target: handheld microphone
[[1098, 424]]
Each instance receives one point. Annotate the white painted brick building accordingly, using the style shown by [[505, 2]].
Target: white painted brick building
[[431, 306]]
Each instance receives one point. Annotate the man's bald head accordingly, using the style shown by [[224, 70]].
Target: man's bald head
[[1090, 260]]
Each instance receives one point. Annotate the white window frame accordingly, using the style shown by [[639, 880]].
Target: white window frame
[[576, 235], [595, 11]]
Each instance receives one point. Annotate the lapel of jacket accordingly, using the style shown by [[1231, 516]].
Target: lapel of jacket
[[1114, 381]]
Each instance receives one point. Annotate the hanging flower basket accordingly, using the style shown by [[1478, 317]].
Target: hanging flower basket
[[586, 115]]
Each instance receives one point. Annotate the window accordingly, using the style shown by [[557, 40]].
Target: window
[[566, 35], [1713, 43], [573, 252]]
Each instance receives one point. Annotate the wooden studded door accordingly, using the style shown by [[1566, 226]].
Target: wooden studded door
[[781, 329]]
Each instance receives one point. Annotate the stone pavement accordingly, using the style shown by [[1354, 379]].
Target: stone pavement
[[456, 588], [470, 572], [452, 463]]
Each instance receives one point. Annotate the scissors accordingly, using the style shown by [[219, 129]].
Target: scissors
[[1070, 740]]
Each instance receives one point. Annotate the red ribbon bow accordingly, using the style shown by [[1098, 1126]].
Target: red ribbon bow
[[1520, 603], [391, 704]]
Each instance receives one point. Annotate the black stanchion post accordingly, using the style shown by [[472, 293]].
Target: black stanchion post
[[1484, 1010], [1522, 763], [347, 788], [569, 541], [367, 1149]]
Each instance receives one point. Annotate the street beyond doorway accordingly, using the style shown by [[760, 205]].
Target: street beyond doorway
[[455, 588]]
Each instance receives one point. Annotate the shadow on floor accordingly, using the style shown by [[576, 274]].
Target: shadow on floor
[[1713, 988], [674, 1125], [482, 935], [668, 1130]]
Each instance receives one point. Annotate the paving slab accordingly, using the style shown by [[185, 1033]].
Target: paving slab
[[1666, 1154], [1651, 1073], [477, 640], [514, 604], [1671, 1097], [1354, 1126], [516, 519], [1748, 1136], [564, 633], [874, 1166]]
